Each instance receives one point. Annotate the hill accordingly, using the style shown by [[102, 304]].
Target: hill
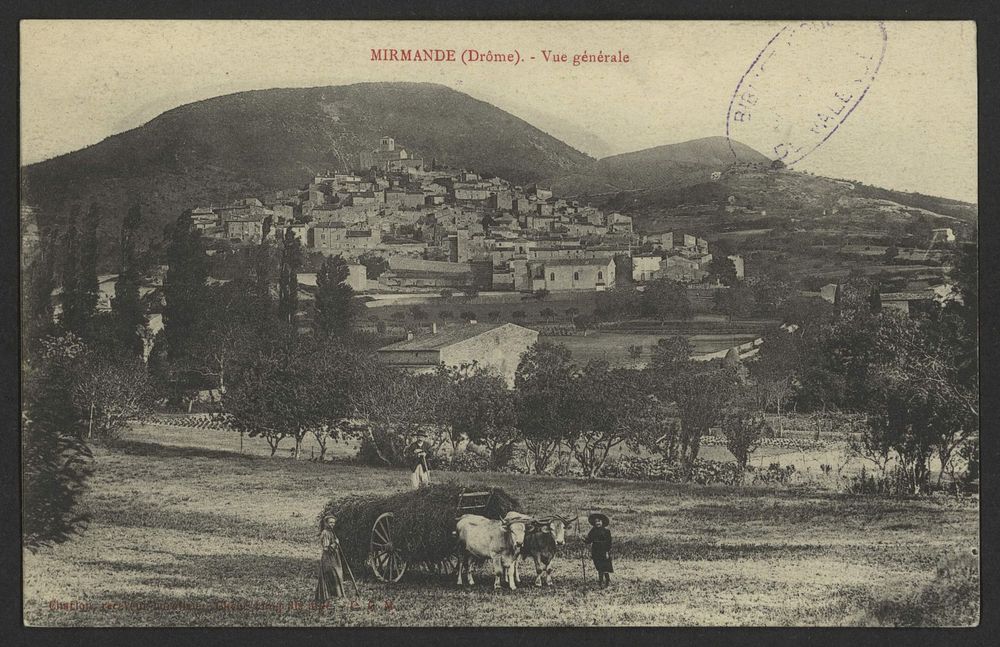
[[212, 151], [661, 167]]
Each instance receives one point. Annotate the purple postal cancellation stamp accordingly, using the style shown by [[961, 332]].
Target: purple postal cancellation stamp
[[803, 85]]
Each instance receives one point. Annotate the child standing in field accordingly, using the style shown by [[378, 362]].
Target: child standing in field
[[599, 539]]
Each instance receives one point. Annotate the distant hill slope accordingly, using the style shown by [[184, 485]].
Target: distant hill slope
[[243, 144], [661, 167]]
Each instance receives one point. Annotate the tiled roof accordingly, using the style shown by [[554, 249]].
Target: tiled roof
[[444, 338], [602, 261]]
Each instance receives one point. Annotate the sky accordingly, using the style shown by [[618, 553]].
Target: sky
[[915, 129]]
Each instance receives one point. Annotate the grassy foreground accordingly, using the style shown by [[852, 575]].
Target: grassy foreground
[[186, 532]]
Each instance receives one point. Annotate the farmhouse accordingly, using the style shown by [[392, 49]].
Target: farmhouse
[[645, 267], [496, 346], [573, 273]]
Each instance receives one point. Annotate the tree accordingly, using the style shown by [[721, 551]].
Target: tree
[[184, 287], [73, 318], [671, 355], [261, 264], [40, 282], [287, 389], [130, 319], [483, 411], [583, 322], [334, 297], [543, 385], [610, 409], [666, 300], [110, 389], [87, 285], [55, 460], [722, 269], [700, 397], [547, 313], [374, 264], [737, 301], [392, 406], [288, 280], [743, 430]]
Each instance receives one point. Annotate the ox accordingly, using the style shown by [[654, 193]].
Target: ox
[[541, 542], [499, 541]]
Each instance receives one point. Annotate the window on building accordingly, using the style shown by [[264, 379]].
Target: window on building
[[600, 276], [552, 276], [576, 276]]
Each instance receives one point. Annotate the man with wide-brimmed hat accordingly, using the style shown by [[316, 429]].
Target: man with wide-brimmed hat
[[417, 454], [599, 539]]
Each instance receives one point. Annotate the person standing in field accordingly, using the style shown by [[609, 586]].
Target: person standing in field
[[331, 570], [417, 454], [599, 539]]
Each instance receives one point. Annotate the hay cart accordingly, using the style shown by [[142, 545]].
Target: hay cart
[[389, 560]]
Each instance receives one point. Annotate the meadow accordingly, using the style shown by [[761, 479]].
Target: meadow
[[186, 531]]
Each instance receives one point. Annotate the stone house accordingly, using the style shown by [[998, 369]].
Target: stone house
[[495, 346]]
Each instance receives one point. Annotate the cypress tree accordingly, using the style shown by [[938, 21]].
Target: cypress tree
[[184, 286], [88, 288], [130, 319], [70, 271], [333, 297], [288, 281]]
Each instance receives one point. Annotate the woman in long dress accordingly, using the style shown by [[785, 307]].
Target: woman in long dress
[[331, 570]]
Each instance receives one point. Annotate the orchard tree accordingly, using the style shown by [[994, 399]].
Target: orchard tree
[[483, 411], [109, 390], [722, 269], [666, 300], [610, 409], [285, 390], [700, 397], [743, 429], [543, 386], [735, 302], [392, 406]]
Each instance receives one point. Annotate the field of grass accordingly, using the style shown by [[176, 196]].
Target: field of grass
[[186, 532]]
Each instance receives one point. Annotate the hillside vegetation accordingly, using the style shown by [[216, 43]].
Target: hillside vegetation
[[212, 151]]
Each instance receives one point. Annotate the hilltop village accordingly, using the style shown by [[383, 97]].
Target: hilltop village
[[442, 228]]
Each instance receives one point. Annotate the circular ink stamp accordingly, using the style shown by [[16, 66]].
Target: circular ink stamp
[[803, 86]]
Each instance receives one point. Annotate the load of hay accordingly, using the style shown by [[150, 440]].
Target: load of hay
[[423, 523]]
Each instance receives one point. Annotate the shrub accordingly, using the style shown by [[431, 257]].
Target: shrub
[[894, 482], [703, 472]]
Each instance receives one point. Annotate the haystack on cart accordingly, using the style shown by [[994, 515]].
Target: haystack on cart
[[415, 528]]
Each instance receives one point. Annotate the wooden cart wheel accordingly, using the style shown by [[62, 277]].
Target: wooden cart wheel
[[386, 560]]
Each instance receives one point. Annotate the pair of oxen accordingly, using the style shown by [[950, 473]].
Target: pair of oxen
[[505, 541]]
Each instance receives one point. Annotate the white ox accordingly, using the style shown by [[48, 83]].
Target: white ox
[[499, 541]]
